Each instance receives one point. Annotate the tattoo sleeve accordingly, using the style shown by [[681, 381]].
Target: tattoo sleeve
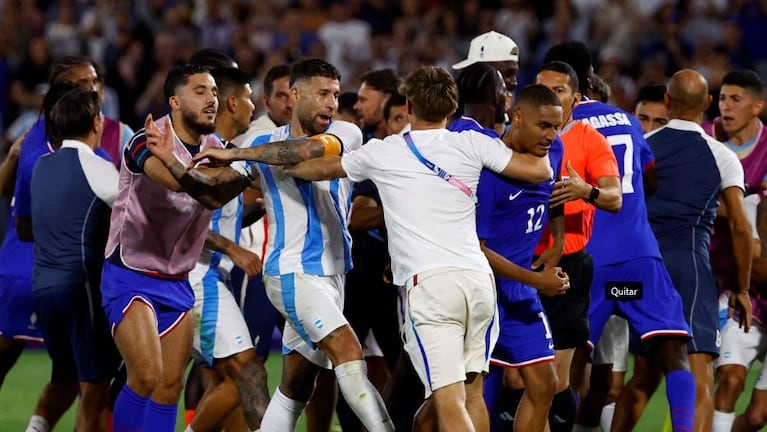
[[213, 191], [282, 152]]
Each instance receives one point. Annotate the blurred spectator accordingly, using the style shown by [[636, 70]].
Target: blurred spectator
[[27, 83], [346, 39]]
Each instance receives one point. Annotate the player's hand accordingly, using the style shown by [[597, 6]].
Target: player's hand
[[215, 156], [571, 189], [552, 281], [741, 302], [15, 149], [249, 262], [160, 143]]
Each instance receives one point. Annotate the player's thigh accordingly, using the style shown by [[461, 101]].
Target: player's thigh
[[739, 347], [525, 335], [18, 319]]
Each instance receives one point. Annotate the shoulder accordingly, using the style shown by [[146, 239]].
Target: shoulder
[[254, 136], [349, 134]]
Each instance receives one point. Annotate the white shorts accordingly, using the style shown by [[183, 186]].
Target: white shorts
[[613, 346], [312, 307], [219, 327], [452, 325], [370, 347], [741, 348]]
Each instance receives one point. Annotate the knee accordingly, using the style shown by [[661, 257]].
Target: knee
[[543, 390], [145, 380], [238, 365], [756, 417], [730, 384]]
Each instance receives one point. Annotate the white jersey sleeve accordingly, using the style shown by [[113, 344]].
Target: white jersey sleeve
[[492, 152], [730, 168], [349, 134], [360, 165]]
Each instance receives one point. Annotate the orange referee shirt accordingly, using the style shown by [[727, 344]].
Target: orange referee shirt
[[590, 155]]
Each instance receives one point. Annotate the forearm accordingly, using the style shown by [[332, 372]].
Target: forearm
[[742, 245], [212, 191], [557, 227], [8, 174], [508, 270], [365, 218], [610, 199], [217, 243], [281, 152]]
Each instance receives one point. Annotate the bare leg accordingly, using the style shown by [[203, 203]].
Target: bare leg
[[702, 368]]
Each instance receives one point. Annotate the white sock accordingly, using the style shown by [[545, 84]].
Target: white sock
[[282, 413], [606, 419], [189, 429], [723, 421], [38, 424], [362, 397], [581, 428]]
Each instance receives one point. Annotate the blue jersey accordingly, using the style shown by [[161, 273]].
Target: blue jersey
[[512, 213], [693, 169], [626, 235], [72, 190]]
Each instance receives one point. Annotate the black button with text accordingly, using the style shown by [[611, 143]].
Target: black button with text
[[623, 290]]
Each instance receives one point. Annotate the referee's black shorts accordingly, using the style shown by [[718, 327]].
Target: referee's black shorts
[[568, 314]]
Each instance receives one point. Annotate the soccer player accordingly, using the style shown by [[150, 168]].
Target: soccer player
[[158, 226], [694, 170], [587, 153], [395, 114], [16, 251], [276, 99], [309, 252], [650, 109], [634, 264], [741, 100], [72, 190], [221, 334], [434, 247], [376, 87]]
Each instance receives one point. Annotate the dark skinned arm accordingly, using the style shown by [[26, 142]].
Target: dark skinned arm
[[550, 281], [366, 214], [742, 244]]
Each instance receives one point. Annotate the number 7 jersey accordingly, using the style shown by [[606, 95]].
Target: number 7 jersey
[[622, 236]]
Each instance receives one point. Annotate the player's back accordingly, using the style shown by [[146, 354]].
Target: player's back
[[633, 154], [692, 169]]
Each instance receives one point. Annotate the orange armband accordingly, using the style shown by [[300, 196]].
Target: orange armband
[[332, 144]]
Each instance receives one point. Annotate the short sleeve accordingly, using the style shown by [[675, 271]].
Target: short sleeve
[[493, 153], [349, 134], [486, 191], [601, 159], [730, 168], [360, 164], [137, 153]]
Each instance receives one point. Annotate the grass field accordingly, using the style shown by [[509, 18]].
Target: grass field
[[23, 384]]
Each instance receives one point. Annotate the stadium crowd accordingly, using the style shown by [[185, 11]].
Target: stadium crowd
[[458, 215]]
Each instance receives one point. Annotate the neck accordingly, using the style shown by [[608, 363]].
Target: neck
[[296, 128], [746, 134], [418, 124], [225, 128], [91, 141], [483, 114], [688, 116], [184, 133]]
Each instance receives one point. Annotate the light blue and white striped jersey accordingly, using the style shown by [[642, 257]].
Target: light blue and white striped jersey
[[307, 220], [226, 221]]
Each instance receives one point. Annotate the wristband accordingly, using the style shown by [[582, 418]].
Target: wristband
[[593, 195]]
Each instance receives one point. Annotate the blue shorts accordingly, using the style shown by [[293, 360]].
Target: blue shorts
[[76, 333], [18, 319], [260, 315], [525, 336], [694, 280], [657, 313], [170, 299]]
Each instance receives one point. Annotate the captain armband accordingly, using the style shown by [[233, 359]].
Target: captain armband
[[331, 142]]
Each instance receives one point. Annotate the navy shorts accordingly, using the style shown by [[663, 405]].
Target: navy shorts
[[693, 278], [657, 313], [569, 313], [18, 319], [76, 333], [525, 336], [170, 299]]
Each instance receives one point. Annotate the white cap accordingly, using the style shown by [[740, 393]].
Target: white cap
[[490, 47]]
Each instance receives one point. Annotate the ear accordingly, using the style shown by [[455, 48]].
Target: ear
[[294, 93], [758, 107], [174, 103], [667, 100], [708, 102], [516, 118], [577, 96], [231, 103]]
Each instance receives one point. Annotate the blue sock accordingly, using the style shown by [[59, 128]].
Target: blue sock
[[130, 411], [680, 390], [161, 418]]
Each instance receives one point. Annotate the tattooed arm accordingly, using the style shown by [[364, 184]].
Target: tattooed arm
[[279, 152]]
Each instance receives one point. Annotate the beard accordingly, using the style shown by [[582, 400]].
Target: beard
[[190, 118]]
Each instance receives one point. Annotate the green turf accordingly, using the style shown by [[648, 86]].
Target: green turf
[[23, 384]]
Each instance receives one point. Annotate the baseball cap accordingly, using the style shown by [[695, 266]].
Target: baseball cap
[[490, 47]]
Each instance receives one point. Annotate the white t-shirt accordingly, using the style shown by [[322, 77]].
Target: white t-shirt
[[430, 222]]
